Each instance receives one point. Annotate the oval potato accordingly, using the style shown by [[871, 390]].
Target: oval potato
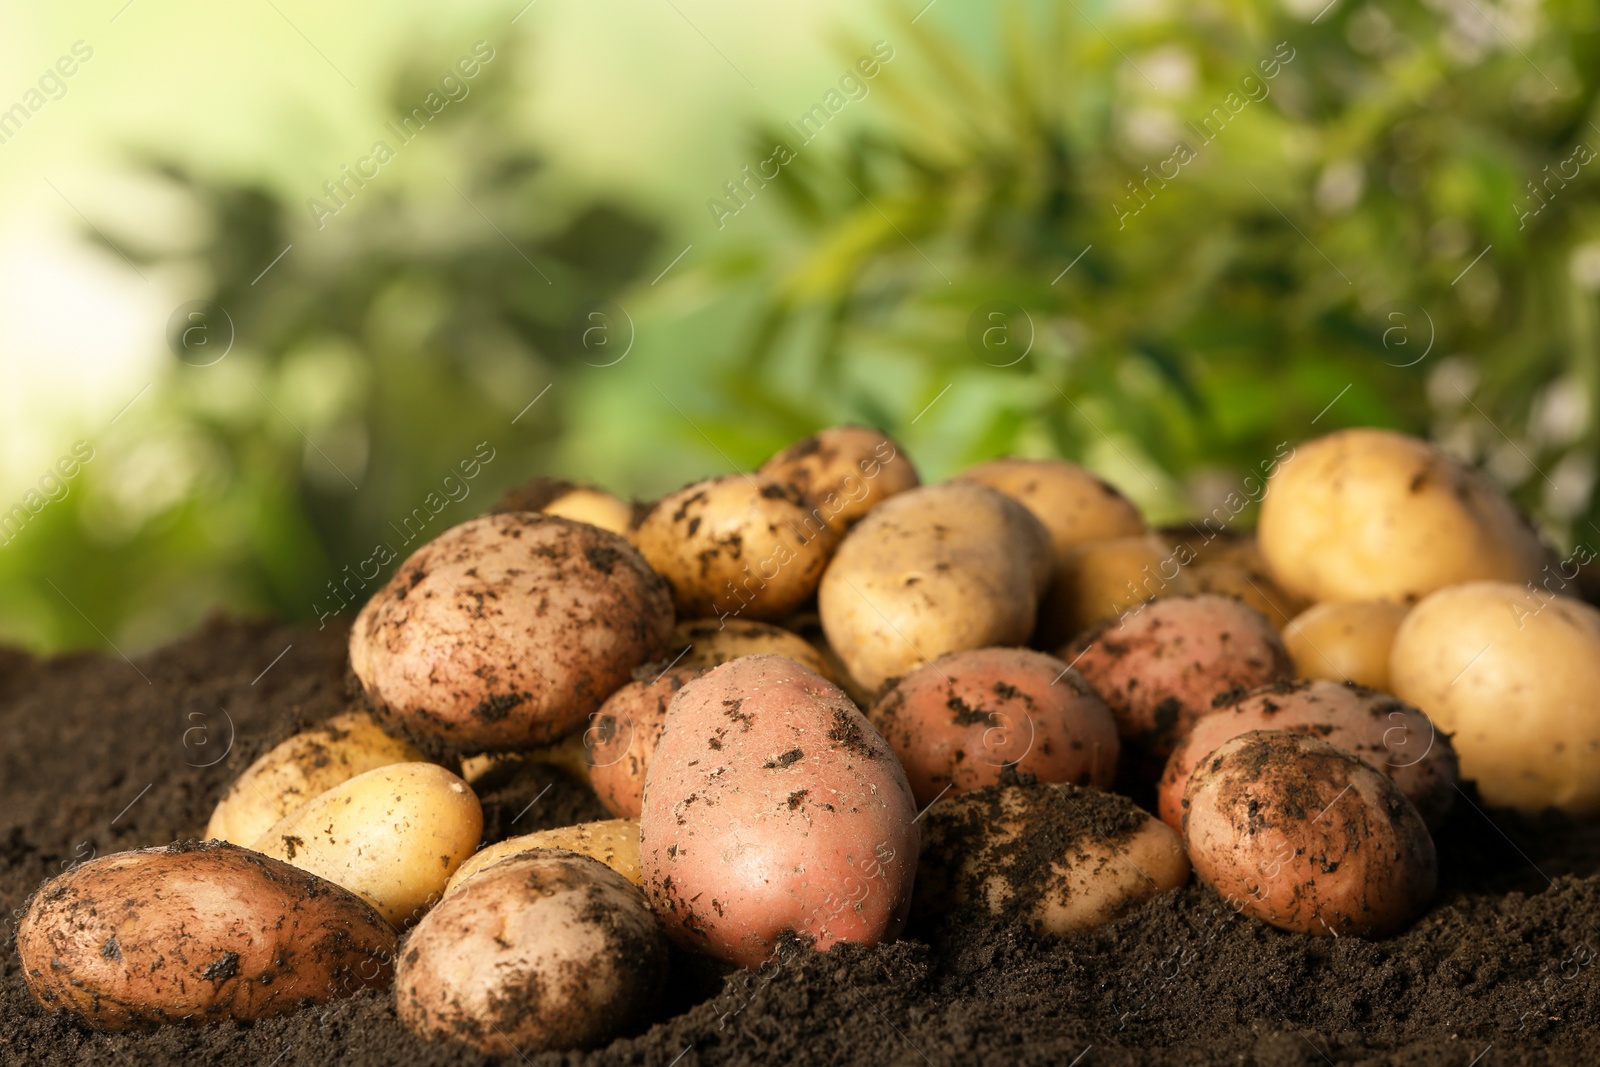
[[622, 740], [1075, 505], [712, 642], [1099, 580], [846, 470], [580, 503], [1228, 562], [614, 842], [1345, 641]]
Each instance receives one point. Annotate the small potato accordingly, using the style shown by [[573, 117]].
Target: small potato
[[846, 470], [744, 545], [614, 842], [1055, 858], [570, 755], [933, 570], [1308, 837], [1162, 666], [1390, 734], [196, 933], [297, 770], [711, 642], [959, 722], [393, 836], [1074, 505], [580, 503], [623, 737], [545, 950], [1229, 563], [1345, 642], [771, 807], [1099, 580]]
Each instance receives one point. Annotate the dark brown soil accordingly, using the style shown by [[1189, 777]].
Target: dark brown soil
[[100, 756]]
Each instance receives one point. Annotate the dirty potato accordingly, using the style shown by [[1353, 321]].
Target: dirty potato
[[614, 842], [710, 642], [1099, 580], [622, 739], [846, 470]]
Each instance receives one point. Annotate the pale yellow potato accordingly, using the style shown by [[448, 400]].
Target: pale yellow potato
[[1514, 677], [614, 842], [1099, 580], [580, 503], [566, 754], [1075, 505], [846, 470], [711, 643], [392, 836], [1345, 641], [297, 770], [1228, 562]]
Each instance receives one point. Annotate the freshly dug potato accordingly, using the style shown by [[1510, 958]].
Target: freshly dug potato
[[505, 632], [933, 570], [570, 754], [1373, 515], [1390, 734], [393, 836], [1099, 580], [623, 739], [614, 842], [1075, 506], [297, 770], [959, 722], [846, 470], [1308, 837], [1345, 641], [772, 806], [710, 642], [1228, 562], [1162, 666], [1514, 677], [196, 933], [545, 950], [744, 545], [580, 503], [1055, 858]]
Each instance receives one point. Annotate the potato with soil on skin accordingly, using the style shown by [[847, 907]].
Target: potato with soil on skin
[[393, 836], [712, 642], [934, 570], [196, 933], [1513, 674], [614, 842], [622, 739], [1388, 733], [1161, 667], [1307, 837], [773, 807], [1055, 858], [1229, 563], [299, 769], [1099, 580], [1075, 505], [507, 631], [959, 722], [744, 545], [846, 470], [1374, 515], [545, 950], [1345, 641], [580, 503]]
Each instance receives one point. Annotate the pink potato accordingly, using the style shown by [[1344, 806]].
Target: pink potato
[[622, 737], [957, 722], [1164, 664], [773, 807], [1388, 733]]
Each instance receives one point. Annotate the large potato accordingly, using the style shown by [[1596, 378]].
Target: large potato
[[614, 842], [1514, 677], [297, 770], [710, 642], [1373, 515], [507, 631], [846, 470], [1074, 505], [934, 570], [1099, 580], [196, 933], [1228, 562], [622, 740], [772, 806], [580, 503], [1345, 641]]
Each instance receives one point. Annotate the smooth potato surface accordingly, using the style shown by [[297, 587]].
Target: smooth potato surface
[[1346, 641], [614, 842], [622, 739], [711, 642], [1075, 505], [846, 470], [1099, 580]]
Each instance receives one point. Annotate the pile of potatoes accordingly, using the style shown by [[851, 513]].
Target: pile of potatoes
[[823, 700]]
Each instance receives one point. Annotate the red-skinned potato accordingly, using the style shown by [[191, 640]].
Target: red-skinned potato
[[507, 631], [1307, 837], [773, 806], [622, 739], [957, 723], [846, 470]]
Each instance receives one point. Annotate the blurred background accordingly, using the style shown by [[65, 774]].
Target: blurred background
[[277, 275]]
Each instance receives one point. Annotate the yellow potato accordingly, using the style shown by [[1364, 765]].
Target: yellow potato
[[1100, 580], [710, 643], [567, 754], [1345, 641], [846, 470], [580, 503], [1228, 563], [1075, 505], [614, 842], [393, 836]]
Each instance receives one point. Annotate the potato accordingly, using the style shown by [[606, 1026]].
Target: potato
[[846, 470], [622, 740], [194, 933], [580, 503], [1308, 837], [743, 545], [1514, 677], [297, 770], [393, 836], [1099, 580], [772, 807], [1074, 505], [570, 755], [934, 570], [1373, 515], [545, 950], [1055, 858], [958, 722], [710, 642], [614, 842], [507, 631], [1162, 666], [1390, 734], [1229, 563], [1345, 641]]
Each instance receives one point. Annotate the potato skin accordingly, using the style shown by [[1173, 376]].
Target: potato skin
[[846, 470], [545, 950], [959, 722], [1345, 641], [1228, 562], [614, 842], [507, 631], [773, 806], [1075, 505], [622, 739], [196, 933], [712, 642], [580, 503], [1099, 580]]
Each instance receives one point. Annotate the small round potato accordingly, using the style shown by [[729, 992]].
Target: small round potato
[[846, 470], [394, 836], [299, 769], [1308, 837], [1099, 580], [580, 503], [712, 642], [959, 722], [614, 842], [1075, 505], [1228, 562], [1345, 641], [623, 737], [544, 950], [196, 933]]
